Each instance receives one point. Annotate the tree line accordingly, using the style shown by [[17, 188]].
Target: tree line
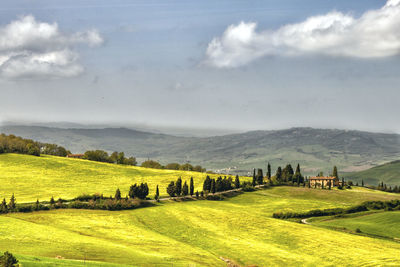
[[134, 199], [15, 144], [172, 166], [116, 157], [383, 187]]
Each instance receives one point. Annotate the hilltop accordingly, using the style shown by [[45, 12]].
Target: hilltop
[[315, 149], [388, 173]]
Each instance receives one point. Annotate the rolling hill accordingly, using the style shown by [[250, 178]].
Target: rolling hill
[[200, 233], [31, 177], [315, 149], [388, 173]]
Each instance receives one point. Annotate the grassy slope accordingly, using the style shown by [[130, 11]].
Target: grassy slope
[[34, 261], [199, 232], [389, 173], [31, 177], [385, 224]]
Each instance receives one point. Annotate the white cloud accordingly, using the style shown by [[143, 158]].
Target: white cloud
[[373, 35], [33, 49]]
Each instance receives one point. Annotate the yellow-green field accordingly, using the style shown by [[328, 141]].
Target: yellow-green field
[[31, 178], [379, 224], [199, 233]]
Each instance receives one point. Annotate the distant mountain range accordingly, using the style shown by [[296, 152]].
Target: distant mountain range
[[315, 149]]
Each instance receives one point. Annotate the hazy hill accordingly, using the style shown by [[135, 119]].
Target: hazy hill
[[314, 149], [388, 173]]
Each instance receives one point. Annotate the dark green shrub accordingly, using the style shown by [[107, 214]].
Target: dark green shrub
[[8, 260]]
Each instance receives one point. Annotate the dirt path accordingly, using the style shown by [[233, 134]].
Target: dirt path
[[194, 197], [304, 221]]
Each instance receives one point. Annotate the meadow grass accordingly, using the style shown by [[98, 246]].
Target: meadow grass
[[383, 224], [198, 233], [34, 261], [31, 178]]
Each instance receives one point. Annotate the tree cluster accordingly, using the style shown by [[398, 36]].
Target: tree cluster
[[115, 157], [288, 175], [53, 149], [172, 166], [218, 185], [10, 207], [139, 191], [15, 144], [177, 189]]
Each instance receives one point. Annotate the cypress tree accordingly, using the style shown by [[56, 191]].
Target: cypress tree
[[237, 182], [254, 177], [207, 184], [118, 194], [330, 185], [12, 203], [279, 174], [335, 173], [157, 196], [178, 186], [191, 186], [269, 171], [219, 186], [52, 202], [197, 194], [297, 175], [4, 207], [342, 182], [362, 183], [185, 189], [288, 173], [37, 204], [260, 177], [212, 186], [171, 189]]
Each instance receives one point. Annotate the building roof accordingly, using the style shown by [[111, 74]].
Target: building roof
[[323, 178], [75, 155]]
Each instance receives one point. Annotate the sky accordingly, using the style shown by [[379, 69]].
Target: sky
[[228, 64]]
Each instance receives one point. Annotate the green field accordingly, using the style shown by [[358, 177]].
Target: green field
[[380, 224], [198, 233], [31, 178], [388, 173]]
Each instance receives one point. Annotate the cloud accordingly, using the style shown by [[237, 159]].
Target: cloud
[[375, 34], [33, 49]]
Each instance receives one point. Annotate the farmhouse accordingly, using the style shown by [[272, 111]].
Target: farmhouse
[[77, 156], [324, 181]]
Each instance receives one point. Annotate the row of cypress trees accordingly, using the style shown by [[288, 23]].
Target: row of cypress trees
[[177, 189]]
